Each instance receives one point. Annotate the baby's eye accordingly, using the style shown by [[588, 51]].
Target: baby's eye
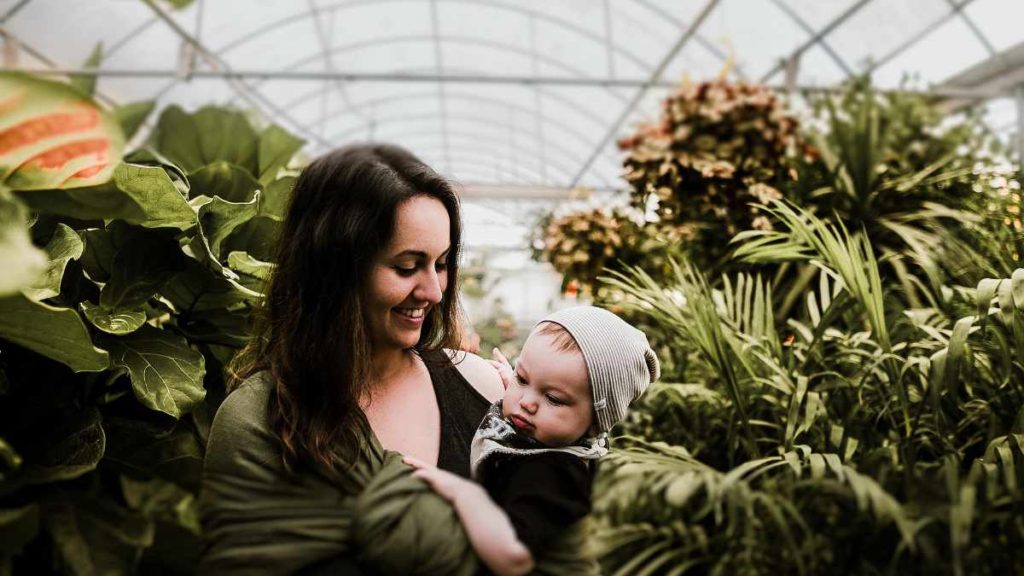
[[554, 400], [520, 379]]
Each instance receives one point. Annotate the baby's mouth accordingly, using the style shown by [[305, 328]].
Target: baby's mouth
[[520, 423]]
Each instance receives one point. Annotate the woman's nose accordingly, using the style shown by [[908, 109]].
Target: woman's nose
[[429, 288]]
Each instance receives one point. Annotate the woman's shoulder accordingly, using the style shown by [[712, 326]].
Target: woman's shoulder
[[247, 400], [479, 373], [241, 420]]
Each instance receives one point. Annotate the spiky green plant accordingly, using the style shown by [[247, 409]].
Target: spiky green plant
[[868, 438]]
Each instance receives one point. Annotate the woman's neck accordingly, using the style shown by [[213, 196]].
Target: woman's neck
[[389, 365]]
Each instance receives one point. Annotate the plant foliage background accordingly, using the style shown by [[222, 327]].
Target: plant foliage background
[[845, 391], [111, 360], [839, 304]]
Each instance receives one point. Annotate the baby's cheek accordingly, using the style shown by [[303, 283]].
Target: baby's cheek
[[506, 403]]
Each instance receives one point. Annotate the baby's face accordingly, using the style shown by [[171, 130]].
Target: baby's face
[[550, 398]]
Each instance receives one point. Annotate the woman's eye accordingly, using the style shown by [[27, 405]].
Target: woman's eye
[[441, 266], [403, 271]]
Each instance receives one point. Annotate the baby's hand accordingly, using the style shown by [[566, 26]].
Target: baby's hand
[[444, 483], [504, 368]]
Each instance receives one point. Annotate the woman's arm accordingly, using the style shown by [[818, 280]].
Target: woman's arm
[[488, 528]]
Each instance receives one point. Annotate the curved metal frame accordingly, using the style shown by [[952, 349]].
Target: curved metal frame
[[498, 149], [501, 144], [568, 25]]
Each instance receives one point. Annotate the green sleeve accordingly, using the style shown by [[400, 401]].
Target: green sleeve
[[255, 518]]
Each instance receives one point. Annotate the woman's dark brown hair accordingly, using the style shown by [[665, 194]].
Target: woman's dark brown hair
[[312, 334]]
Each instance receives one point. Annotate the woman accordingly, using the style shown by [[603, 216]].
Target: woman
[[351, 353]]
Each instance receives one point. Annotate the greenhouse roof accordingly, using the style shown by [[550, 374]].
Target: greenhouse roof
[[515, 99]]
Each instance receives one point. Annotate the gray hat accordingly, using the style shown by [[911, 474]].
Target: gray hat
[[619, 360]]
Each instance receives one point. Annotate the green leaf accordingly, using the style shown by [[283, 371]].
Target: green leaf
[[98, 256], [143, 449], [131, 116], [18, 527], [57, 333], [117, 322], [69, 450], [54, 136], [192, 141], [220, 178], [257, 237], [219, 218], [143, 195], [64, 246], [246, 264], [166, 373], [92, 534], [199, 288], [21, 262], [86, 83], [275, 198], [145, 261], [276, 148], [9, 459]]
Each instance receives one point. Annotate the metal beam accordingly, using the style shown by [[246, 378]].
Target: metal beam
[[254, 97], [704, 42], [435, 33], [825, 31], [560, 22], [14, 10], [915, 39], [655, 77], [972, 94], [781, 5]]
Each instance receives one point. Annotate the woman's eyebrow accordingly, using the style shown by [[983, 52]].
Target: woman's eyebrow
[[419, 254]]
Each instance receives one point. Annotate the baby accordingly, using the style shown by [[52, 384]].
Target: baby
[[533, 454]]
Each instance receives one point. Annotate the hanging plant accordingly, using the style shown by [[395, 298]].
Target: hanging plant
[[717, 149]]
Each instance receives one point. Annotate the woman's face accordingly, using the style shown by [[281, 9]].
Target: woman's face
[[410, 274]]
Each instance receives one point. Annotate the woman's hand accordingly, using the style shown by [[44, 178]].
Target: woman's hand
[[505, 370], [444, 483]]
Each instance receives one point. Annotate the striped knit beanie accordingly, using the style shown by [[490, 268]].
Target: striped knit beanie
[[619, 360]]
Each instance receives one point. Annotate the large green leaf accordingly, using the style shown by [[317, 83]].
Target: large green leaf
[[98, 256], [143, 195], [220, 178], [18, 527], [246, 264], [192, 141], [166, 373], [200, 288], [58, 333], [63, 247], [51, 136], [277, 147], [131, 116], [117, 322], [219, 218], [86, 83], [144, 448], [257, 237], [93, 534], [21, 262], [145, 260], [67, 450], [275, 197]]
